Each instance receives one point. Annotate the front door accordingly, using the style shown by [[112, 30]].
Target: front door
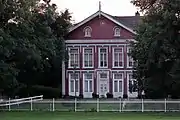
[[103, 84]]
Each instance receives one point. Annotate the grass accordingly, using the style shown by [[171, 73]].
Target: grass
[[87, 116]]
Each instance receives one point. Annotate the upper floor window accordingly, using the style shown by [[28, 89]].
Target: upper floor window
[[87, 31], [118, 57], [103, 57], [88, 57], [130, 61], [74, 57], [117, 31]]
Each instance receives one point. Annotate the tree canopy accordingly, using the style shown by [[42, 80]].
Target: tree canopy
[[157, 50], [31, 44]]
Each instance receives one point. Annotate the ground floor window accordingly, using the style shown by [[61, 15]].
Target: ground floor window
[[74, 82], [117, 82], [133, 86], [88, 82]]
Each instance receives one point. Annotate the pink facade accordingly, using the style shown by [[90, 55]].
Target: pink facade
[[98, 58], [102, 28]]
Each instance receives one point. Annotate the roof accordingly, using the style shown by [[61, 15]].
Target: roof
[[130, 21], [127, 22]]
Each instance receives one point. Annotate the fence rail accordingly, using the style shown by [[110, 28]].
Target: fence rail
[[95, 105]]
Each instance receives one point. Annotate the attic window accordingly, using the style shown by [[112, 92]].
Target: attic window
[[87, 31], [117, 31]]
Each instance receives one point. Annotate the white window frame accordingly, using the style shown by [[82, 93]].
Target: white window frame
[[74, 60], [86, 92], [117, 34], [78, 87], [87, 31], [99, 56], [99, 79], [88, 57], [133, 94], [118, 93], [113, 59], [129, 58]]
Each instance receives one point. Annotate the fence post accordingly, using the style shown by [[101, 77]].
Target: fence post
[[97, 104], [142, 105], [120, 105], [53, 105], [9, 104], [31, 104], [165, 105], [75, 104]]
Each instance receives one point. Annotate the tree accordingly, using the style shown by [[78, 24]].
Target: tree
[[156, 50], [30, 43]]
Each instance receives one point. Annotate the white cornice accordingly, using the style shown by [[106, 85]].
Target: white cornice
[[100, 41], [98, 13]]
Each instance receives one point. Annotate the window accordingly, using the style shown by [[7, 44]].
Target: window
[[88, 82], [103, 57], [117, 31], [74, 82], [87, 31], [130, 60], [74, 57], [103, 76], [133, 86], [88, 57], [118, 82], [118, 57]]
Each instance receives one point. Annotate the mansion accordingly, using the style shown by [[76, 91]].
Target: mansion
[[99, 62]]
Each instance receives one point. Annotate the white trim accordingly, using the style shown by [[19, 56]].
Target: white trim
[[99, 62], [92, 57], [97, 45], [133, 94], [128, 57], [81, 41], [84, 21], [69, 63], [115, 29], [77, 92], [101, 69], [121, 70], [98, 81], [122, 57], [95, 48], [118, 23], [84, 30], [88, 94], [103, 14], [63, 78], [118, 94], [80, 70]]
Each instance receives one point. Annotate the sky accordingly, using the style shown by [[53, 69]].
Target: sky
[[82, 9]]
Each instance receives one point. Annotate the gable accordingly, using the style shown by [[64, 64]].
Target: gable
[[100, 13], [102, 28]]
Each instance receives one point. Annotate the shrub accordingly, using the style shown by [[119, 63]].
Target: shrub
[[109, 95], [47, 92], [94, 95], [81, 96], [125, 96]]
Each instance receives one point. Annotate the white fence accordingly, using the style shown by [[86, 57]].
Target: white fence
[[95, 105], [13, 102]]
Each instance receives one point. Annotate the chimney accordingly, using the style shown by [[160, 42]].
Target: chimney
[[137, 14]]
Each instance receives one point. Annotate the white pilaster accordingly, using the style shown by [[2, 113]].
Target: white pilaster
[[63, 78]]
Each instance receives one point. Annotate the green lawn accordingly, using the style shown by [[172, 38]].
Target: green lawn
[[87, 116]]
